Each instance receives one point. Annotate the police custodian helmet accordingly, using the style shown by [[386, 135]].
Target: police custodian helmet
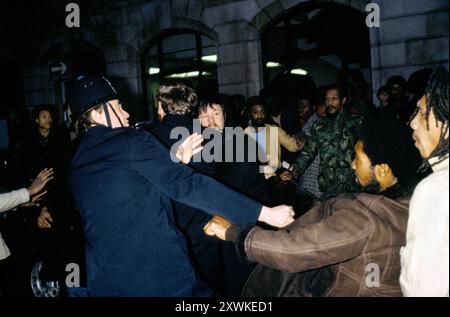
[[88, 92]]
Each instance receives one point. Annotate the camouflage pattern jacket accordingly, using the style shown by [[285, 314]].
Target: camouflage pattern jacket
[[333, 139]]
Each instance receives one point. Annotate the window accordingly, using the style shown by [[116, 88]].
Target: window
[[319, 39], [185, 56]]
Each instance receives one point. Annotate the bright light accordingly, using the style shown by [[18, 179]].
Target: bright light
[[299, 71], [209, 58], [272, 64], [153, 70], [184, 75]]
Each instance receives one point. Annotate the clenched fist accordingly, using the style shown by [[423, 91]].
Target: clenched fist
[[286, 176], [279, 216], [217, 226], [45, 219]]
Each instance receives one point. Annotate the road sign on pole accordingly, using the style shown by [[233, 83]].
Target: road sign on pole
[[59, 71]]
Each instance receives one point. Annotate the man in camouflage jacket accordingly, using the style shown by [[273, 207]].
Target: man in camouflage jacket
[[333, 139]]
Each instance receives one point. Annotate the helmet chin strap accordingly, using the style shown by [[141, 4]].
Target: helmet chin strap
[[108, 118]]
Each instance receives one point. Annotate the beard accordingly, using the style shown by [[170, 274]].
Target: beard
[[258, 123], [330, 113], [372, 188]]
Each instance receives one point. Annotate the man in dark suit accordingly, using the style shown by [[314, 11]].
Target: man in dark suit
[[237, 170], [123, 182], [176, 104]]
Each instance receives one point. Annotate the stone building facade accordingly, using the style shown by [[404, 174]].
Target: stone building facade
[[413, 34]]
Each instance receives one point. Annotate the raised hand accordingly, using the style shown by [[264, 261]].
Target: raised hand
[[40, 181], [189, 147], [279, 216]]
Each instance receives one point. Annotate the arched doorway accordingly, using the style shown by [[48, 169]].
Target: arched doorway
[[180, 55], [313, 44], [320, 39]]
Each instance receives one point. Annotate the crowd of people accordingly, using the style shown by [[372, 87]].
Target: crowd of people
[[223, 196]]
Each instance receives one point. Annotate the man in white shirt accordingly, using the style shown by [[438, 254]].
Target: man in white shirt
[[25, 197], [268, 137], [21, 196], [425, 258]]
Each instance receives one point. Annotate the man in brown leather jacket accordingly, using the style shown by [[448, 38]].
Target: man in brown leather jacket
[[345, 246]]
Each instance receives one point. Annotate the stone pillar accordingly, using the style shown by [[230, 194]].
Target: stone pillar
[[122, 62], [239, 69], [413, 34]]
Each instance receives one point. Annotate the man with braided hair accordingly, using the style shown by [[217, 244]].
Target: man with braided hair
[[425, 257]]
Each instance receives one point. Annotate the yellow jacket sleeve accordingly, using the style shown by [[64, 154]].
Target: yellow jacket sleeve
[[287, 141]]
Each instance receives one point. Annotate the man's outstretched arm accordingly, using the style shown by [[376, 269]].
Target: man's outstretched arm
[[152, 160], [298, 248]]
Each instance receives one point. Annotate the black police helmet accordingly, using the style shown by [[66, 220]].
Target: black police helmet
[[88, 92]]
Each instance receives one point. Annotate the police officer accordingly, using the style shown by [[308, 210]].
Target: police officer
[[123, 181]]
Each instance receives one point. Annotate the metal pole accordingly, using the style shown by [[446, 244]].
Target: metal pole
[[63, 92]]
